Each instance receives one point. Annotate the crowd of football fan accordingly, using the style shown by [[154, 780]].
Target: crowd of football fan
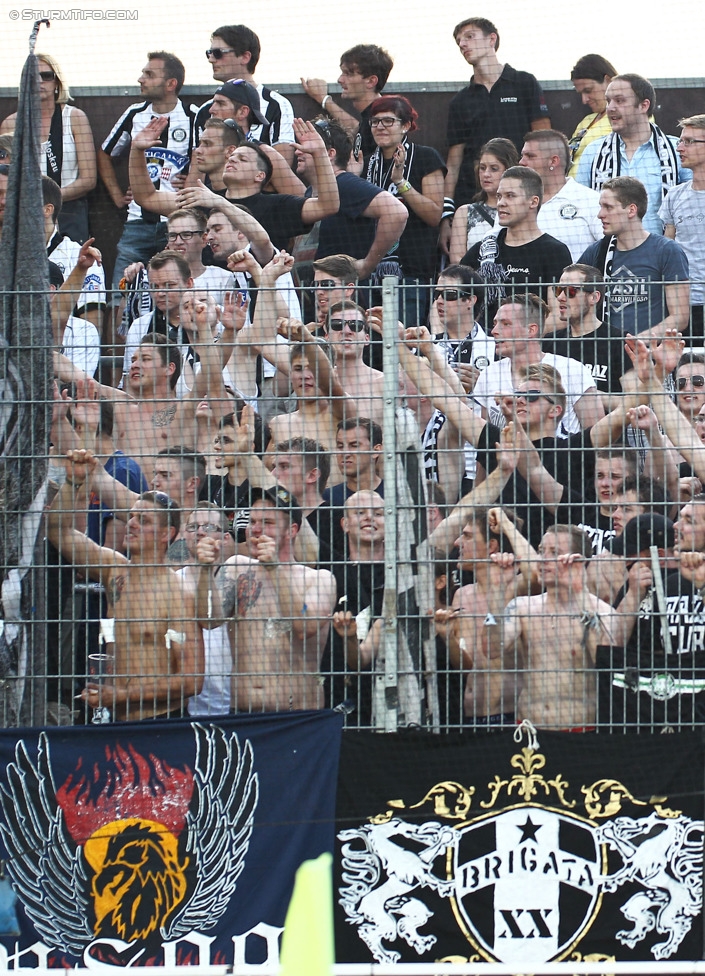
[[216, 537]]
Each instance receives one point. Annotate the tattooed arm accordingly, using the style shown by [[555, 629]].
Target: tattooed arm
[[216, 586]]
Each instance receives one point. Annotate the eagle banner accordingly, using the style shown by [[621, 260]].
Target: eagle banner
[[576, 848], [160, 843]]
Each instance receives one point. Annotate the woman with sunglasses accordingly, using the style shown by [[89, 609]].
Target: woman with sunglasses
[[415, 175], [590, 76], [475, 220], [68, 149]]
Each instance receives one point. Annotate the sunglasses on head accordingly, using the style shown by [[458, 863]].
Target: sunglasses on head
[[218, 52], [162, 499], [47, 75], [449, 294], [337, 325], [571, 290], [532, 396], [697, 381]]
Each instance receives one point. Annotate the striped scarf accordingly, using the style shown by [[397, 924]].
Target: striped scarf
[[607, 162]]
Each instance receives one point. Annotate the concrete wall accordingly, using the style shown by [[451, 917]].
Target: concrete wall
[[103, 107]]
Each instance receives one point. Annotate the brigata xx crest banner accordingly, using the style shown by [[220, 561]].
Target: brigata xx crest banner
[[572, 847], [153, 843]]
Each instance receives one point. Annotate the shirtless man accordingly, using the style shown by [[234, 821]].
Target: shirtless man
[[555, 636], [492, 548], [151, 630], [151, 417], [278, 611], [346, 332]]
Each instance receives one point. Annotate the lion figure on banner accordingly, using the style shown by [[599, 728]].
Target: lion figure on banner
[[379, 874], [665, 857]]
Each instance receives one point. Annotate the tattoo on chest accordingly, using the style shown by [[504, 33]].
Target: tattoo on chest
[[115, 588], [248, 591], [162, 418]]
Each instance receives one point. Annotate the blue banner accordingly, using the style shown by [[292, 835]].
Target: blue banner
[[161, 843]]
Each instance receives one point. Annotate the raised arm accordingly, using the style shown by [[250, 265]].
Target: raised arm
[[144, 191], [200, 196], [327, 201]]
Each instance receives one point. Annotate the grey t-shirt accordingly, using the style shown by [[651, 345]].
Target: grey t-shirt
[[635, 297], [684, 207]]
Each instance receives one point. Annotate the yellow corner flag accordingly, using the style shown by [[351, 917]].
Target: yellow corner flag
[[307, 945]]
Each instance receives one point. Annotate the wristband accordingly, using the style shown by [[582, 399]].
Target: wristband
[[75, 484], [448, 208], [323, 103], [403, 187]]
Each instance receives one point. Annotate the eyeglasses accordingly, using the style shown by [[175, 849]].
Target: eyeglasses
[[207, 527], [690, 142], [47, 75], [572, 291], [218, 52], [449, 294], [326, 283], [356, 325], [532, 396], [386, 122], [184, 235], [697, 381]]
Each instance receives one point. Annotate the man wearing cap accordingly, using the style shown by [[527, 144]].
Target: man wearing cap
[[656, 679], [278, 610], [237, 100]]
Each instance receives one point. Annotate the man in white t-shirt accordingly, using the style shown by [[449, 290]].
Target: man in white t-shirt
[[517, 331], [64, 253], [186, 235], [568, 209], [80, 341]]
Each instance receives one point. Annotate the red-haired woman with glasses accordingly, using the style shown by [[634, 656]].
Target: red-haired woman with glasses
[[415, 175]]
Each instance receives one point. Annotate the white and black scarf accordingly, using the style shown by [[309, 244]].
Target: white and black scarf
[[607, 163], [377, 175]]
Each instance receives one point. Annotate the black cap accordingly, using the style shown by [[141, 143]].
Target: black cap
[[281, 499], [56, 275], [244, 93], [642, 532]]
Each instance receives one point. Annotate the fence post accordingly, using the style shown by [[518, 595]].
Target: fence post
[[390, 360]]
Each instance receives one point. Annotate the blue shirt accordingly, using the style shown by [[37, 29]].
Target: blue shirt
[[644, 166]]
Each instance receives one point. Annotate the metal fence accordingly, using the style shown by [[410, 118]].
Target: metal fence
[[400, 607]]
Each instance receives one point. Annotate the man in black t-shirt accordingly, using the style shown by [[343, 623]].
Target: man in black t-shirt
[[499, 101], [584, 336], [520, 258]]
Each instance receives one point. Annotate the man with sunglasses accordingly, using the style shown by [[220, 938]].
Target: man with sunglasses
[[452, 322], [583, 335], [233, 55], [682, 215], [347, 334], [334, 280]]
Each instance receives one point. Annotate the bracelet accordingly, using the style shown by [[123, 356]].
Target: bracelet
[[75, 484], [323, 103], [403, 187], [448, 208]]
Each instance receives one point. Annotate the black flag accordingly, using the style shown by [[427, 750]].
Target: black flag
[[25, 388]]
